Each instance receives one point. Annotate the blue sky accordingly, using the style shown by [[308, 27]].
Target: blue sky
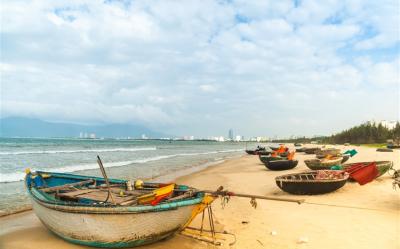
[[201, 67]]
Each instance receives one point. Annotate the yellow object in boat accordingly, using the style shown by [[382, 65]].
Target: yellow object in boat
[[138, 184], [27, 170], [163, 191]]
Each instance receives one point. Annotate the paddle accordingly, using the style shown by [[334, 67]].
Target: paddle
[[352, 152]]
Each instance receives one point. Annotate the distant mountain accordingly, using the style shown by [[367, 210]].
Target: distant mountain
[[28, 127]]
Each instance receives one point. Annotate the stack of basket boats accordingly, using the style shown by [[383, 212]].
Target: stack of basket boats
[[277, 163], [327, 152], [258, 151], [325, 163], [327, 158], [280, 159], [330, 163]]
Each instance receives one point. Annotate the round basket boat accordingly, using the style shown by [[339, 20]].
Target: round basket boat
[[327, 152], [251, 152], [301, 150], [309, 184], [96, 223], [384, 150], [311, 150], [382, 166], [263, 153], [317, 164], [284, 154], [277, 165], [266, 159], [256, 151]]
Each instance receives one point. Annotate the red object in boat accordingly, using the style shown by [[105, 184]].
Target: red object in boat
[[158, 199], [363, 174]]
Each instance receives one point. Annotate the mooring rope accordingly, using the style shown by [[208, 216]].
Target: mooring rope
[[344, 206]]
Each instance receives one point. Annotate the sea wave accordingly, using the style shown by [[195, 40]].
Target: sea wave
[[19, 176], [77, 151]]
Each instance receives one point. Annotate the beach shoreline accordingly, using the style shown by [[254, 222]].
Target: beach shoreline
[[359, 211]]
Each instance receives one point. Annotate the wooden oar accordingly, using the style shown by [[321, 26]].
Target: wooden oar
[[228, 193], [103, 172]]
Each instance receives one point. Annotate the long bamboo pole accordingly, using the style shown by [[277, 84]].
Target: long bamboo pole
[[228, 193], [103, 172]]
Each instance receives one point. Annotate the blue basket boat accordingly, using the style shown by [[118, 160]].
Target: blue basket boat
[[79, 209]]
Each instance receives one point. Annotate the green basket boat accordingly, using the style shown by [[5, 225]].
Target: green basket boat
[[383, 166], [317, 164]]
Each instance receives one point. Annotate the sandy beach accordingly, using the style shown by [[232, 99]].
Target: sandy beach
[[353, 217]]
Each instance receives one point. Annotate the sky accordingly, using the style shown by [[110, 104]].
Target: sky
[[262, 68]]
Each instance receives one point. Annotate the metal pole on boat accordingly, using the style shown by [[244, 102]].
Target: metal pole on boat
[[103, 172]]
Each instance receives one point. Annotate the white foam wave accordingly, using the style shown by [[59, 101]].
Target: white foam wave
[[78, 151], [19, 176]]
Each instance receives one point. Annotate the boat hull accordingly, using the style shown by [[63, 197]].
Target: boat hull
[[311, 150], [113, 230], [278, 165], [382, 166], [300, 184], [310, 188], [324, 153], [317, 164]]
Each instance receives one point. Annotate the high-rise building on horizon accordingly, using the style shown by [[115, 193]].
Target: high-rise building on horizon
[[230, 134]]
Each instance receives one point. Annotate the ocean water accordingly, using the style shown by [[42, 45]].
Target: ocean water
[[126, 159]]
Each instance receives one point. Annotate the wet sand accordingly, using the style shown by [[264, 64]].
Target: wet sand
[[352, 217]]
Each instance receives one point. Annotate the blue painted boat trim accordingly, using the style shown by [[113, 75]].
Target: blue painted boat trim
[[52, 203]]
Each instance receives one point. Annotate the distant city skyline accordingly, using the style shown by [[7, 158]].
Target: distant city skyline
[[263, 68]]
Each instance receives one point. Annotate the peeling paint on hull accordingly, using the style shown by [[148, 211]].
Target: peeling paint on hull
[[113, 230]]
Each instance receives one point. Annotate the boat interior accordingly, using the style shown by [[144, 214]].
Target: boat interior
[[94, 190]]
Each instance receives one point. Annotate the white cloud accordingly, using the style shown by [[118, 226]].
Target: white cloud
[[208, 88], [172, 63]]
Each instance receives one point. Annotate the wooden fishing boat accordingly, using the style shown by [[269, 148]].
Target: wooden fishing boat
[[327, 152], [251, 152], [266, 159], [311, 150], [282, 164], [317, 164], [384, 150], [297, 144], [300, 149], [256, 151], [81, 210], [382, 166], [313, 182], [263, 153], [284, 154]]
